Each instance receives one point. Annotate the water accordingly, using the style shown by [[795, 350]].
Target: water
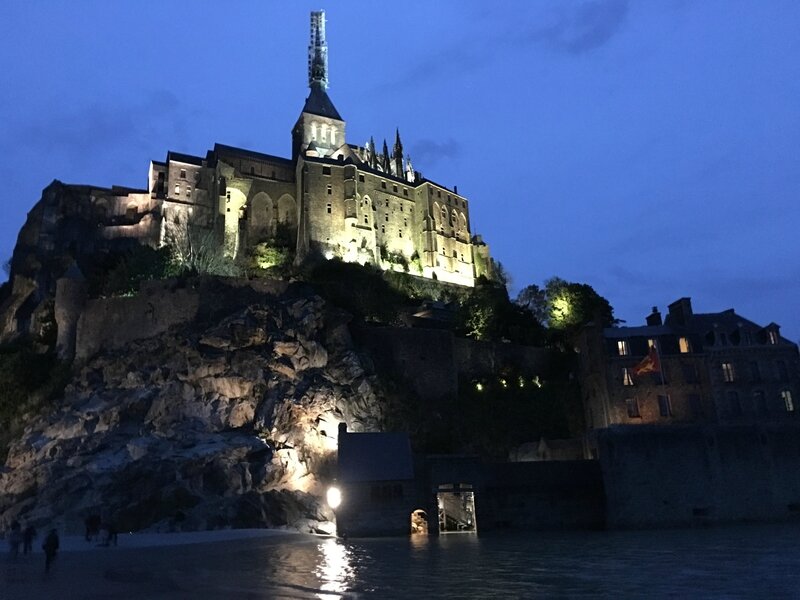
[[742, 562]]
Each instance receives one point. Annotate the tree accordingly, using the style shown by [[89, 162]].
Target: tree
[[566, 306]]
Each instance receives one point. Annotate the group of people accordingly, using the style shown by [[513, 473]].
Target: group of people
[[18, 536], [100, 529]]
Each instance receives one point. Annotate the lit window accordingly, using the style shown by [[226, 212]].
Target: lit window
[[684, 345], [652, 344], [622, 348], [183, 173], [633, 408], [786, 396], [177, 189], [773, 336], [728, 373], [627, 379], [664, 406], [329, 208]]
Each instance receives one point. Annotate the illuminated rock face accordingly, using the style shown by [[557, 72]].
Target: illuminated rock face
[[230, 420]]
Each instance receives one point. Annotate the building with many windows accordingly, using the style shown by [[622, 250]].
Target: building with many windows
[[330, 198], [709, 368]]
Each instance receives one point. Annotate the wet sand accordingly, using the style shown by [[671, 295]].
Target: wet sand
[[190, 565]]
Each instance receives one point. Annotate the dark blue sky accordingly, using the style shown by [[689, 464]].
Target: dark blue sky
[[648, 148]]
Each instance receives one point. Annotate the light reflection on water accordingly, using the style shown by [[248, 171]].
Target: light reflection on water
[[739, 562]]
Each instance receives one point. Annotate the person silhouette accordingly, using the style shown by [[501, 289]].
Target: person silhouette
[[50, 547]]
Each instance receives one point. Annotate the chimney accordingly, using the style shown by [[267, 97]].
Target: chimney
[[654, 318], [680, 311]]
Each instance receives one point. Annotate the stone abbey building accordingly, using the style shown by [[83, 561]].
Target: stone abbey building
[[331, 198]]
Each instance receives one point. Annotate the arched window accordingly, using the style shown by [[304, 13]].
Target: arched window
[[444, 215], [314, 131]]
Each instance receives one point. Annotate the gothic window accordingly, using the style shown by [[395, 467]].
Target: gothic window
[[728, 374], [444, 215], [622, 348]]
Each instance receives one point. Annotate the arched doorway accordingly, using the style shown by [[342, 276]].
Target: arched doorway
[[419, 522]]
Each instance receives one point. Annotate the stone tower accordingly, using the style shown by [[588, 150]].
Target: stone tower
[[320, 130]]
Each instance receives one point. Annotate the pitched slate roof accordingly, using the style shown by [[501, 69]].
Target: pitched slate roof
[[375, 457], [318, 103]]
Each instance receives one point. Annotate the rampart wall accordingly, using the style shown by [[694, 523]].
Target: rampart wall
[[695, 475]]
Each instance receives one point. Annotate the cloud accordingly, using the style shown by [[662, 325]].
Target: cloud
[[584, 28], [94, 127], [426, 153]]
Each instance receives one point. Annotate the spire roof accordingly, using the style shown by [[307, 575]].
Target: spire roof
[[318, 103]]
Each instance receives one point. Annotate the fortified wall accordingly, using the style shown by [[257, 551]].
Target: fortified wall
[[696, 475]]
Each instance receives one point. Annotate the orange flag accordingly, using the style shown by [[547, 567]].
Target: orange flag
[[649, 364]]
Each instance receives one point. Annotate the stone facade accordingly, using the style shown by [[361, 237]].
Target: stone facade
[[715, 368], [329, 198]]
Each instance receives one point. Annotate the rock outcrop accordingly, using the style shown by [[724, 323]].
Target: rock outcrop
[[229, 420]]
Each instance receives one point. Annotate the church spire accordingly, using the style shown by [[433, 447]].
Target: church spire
[[397, 155], [318, 52], [385, 158]]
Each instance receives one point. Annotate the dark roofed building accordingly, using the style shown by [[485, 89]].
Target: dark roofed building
[[714, 368]]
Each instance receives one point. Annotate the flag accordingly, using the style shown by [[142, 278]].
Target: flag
[[649, 364]]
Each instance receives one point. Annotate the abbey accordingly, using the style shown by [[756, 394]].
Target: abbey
[[330, 198]]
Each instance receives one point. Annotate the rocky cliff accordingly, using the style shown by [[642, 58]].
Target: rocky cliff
[[228, 420]]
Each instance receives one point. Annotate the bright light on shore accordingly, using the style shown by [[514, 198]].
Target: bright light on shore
[[334, 497]]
